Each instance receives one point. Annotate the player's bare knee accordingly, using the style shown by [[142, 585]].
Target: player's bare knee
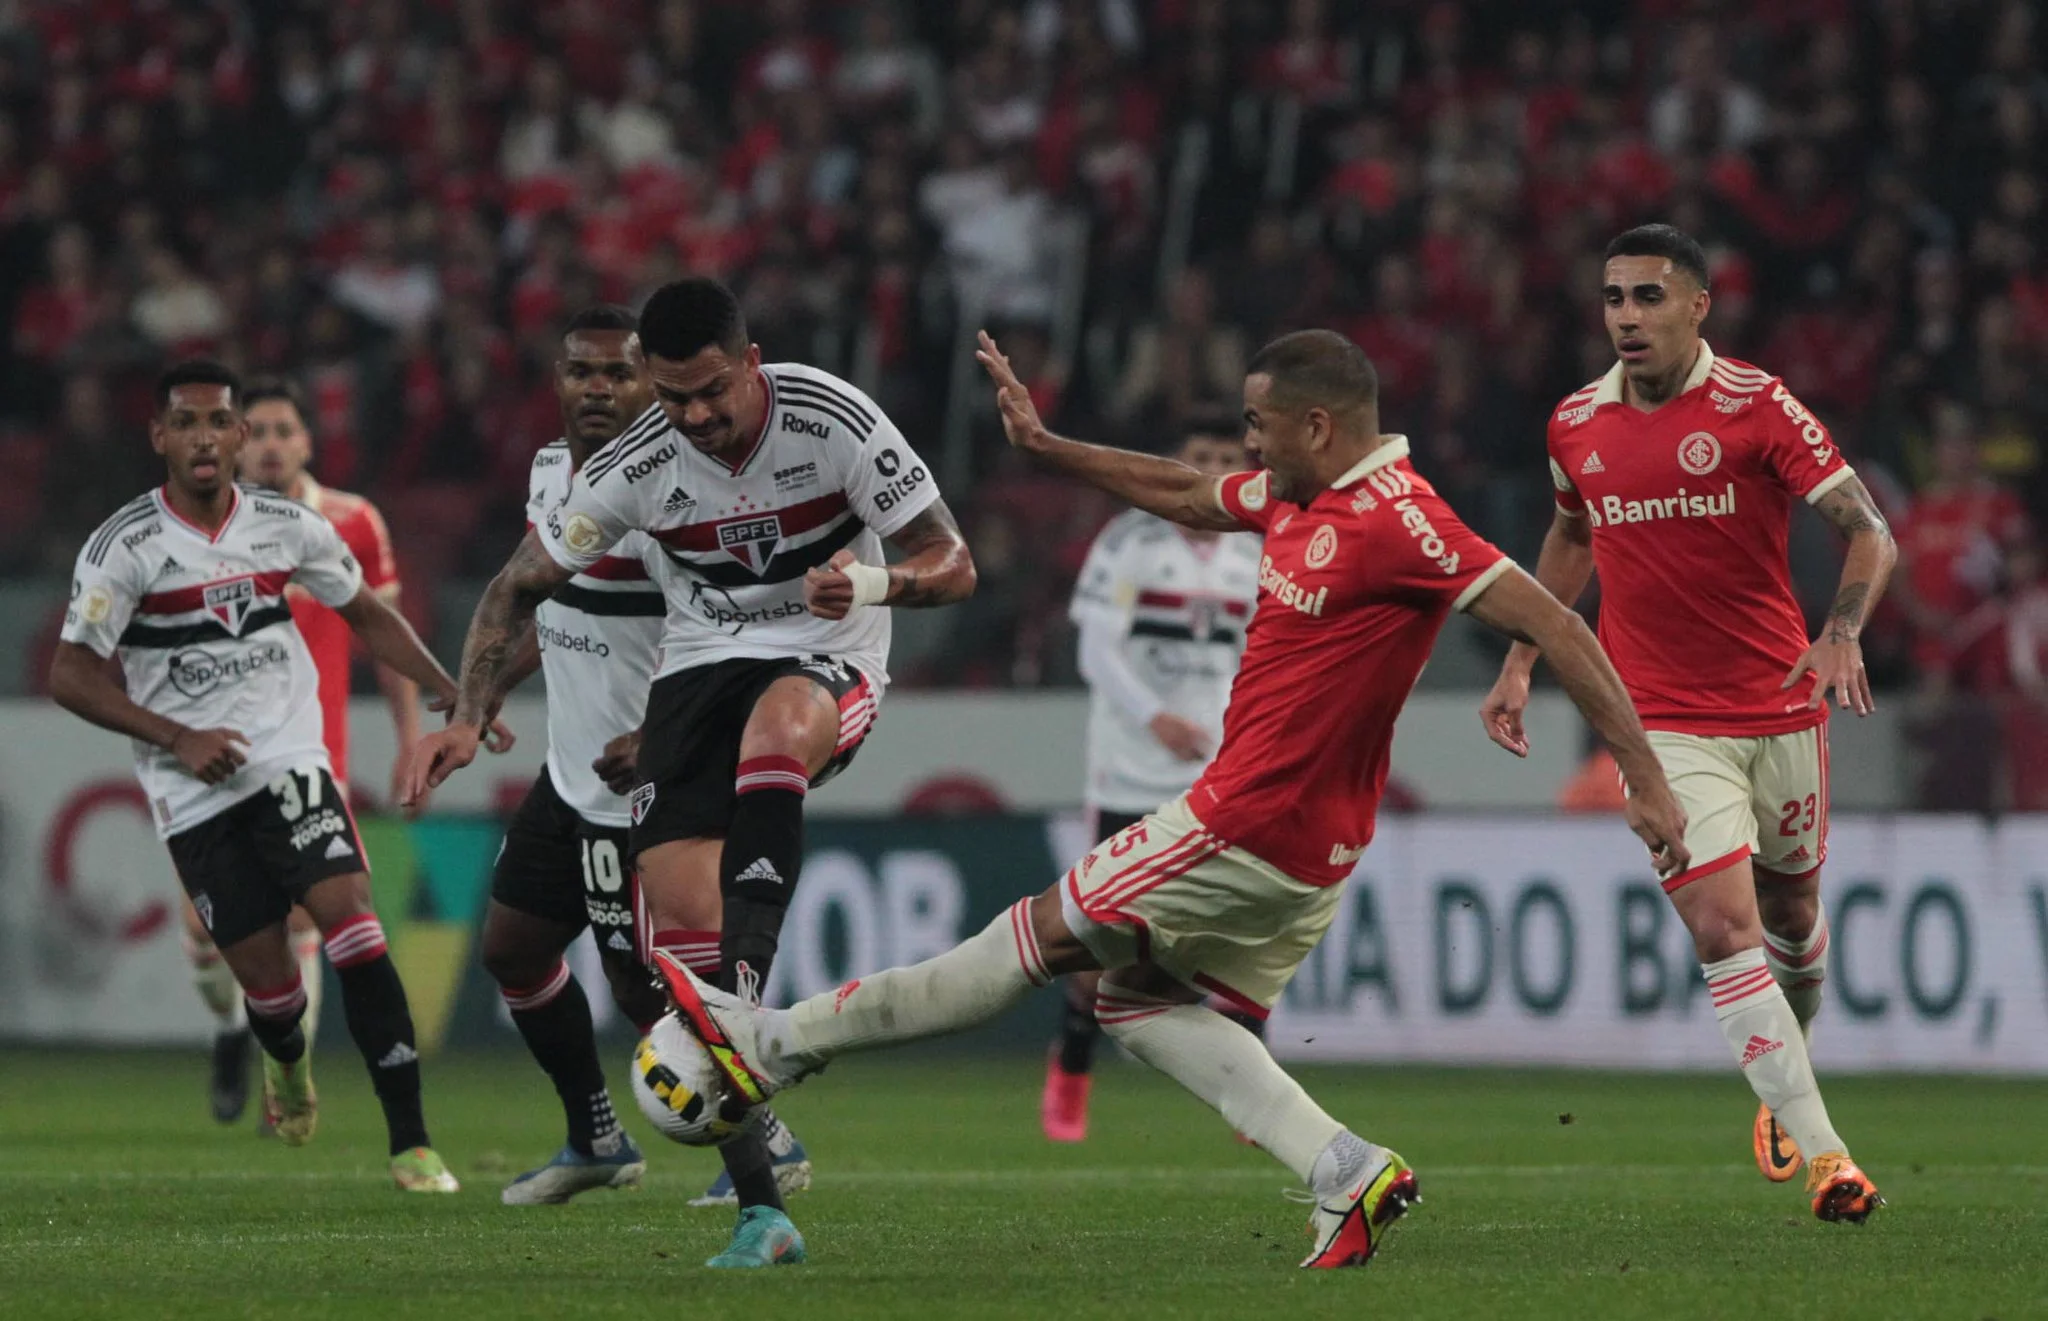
[[794, 718], [1723, 931], [1788, 910], [1060, 948], [515, 951], [337, 899]]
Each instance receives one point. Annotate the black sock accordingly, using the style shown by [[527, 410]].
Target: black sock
[[558, 1032], [373, 999], [752, 1167], [283, 1039], [757, 872], [1078, 1034]]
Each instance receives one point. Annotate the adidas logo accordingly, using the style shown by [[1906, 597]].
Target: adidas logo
[[338, 848], [760, 869], [619, 943], [677, 501], [1757, 1048], [171, 565], [399, 1054], [1592, 465]]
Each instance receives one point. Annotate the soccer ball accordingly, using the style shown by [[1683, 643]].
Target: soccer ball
[[679, 1088]]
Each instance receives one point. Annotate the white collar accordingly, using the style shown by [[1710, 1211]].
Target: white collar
[[1395, 450], [1610, 391]]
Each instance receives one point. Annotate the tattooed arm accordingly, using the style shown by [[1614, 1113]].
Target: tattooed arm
[[1835, 660], [494, 652], [937, 570]]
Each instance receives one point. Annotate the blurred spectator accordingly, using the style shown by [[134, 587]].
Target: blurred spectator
[[1953, 544], [1184, 362], [396, 203]]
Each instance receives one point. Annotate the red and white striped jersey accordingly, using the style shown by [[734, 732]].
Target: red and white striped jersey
[[600, 635], [828, 471], [1162, 615], [205, 638]]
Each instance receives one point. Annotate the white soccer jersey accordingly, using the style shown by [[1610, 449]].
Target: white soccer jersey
[[829, 470], [600, 635], [205, 637], [1163, 617]]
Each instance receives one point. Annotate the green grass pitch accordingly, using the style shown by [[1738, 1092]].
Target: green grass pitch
[[936, 1197]]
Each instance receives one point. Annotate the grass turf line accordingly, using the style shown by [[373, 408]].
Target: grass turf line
[[936, 1197]]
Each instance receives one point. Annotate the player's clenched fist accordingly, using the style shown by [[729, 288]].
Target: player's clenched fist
[[1658, 820], [619, 765], [828, 592], [211, 754]]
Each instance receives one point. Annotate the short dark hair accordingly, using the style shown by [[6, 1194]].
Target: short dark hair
[[602, 316], [687, 317], [197, 371], [1210, 422], [1317, 368], [269, 389], [1673, 244]]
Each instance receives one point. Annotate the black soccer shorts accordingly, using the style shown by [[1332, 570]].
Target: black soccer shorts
[[563, 869], [245, 868], [690, 747]]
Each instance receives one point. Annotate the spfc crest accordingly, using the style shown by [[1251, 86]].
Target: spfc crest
[[751, 541], [231, 601]]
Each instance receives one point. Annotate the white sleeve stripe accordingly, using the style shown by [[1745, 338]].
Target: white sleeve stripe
[[1829, 483], [1477, 587]]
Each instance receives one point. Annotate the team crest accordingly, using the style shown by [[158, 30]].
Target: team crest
[[640, 802], [1322, 547], [752, 540], [1699, 453], [230, 602]]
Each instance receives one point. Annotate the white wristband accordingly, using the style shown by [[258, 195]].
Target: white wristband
[[870, 584]]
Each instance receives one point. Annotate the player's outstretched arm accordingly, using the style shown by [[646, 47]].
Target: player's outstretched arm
[[1835, 660], [1520, 607], [490, 656], [1171, 490], [88, 686], [1563, 569]]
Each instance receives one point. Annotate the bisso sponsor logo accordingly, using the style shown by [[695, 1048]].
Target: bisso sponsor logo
[[635, 471], [1614, 509], [197, 673], [1425, 534], [1282, 588], [1810, 429], [563, 640]]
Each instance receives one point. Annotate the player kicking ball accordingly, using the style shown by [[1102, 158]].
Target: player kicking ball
[[768, 490], [1225, 890], [1675, 476], [567, 862], [1160, 611], [181, 596]]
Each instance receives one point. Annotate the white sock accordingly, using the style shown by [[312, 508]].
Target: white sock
[[968, 984], [1229, 1068], [1764, 1034], [1801, 968], [306, 948], [215, 982]]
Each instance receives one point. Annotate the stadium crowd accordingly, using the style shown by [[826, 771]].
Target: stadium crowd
[[398, 202]]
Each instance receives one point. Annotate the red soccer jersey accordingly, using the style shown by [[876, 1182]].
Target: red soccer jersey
[[327, 634], [1691, 507], [1353, 590]]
